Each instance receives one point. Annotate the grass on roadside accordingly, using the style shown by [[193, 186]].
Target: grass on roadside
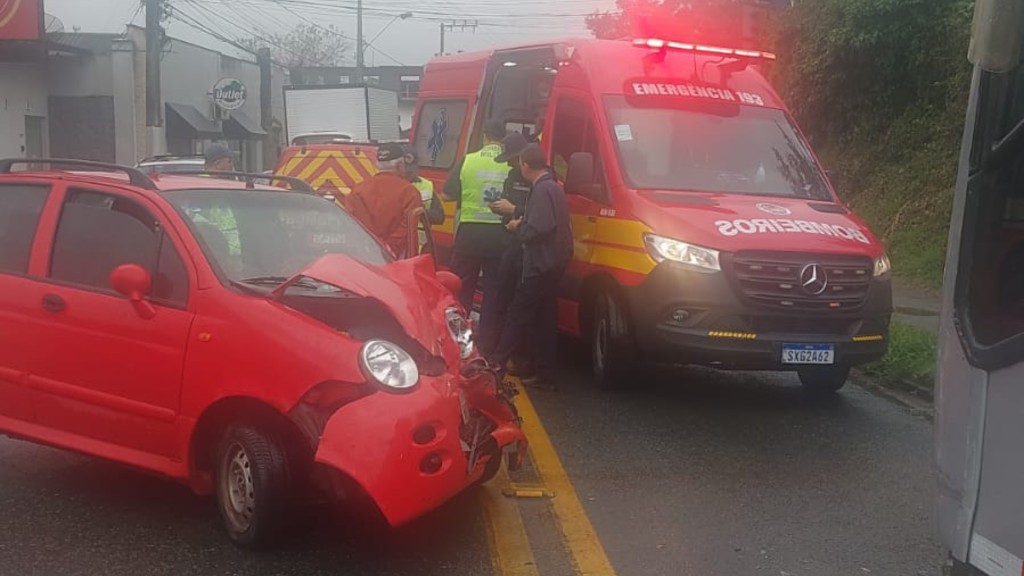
[[911, 357]]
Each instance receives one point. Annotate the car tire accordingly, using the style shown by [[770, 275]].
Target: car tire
[[612, 355], [253, 485], [824, 379]]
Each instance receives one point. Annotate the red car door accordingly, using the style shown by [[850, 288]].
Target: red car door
[[21, 205], [115, 376]]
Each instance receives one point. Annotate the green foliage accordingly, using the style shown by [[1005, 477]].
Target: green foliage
[[880, 87], [911, 357]]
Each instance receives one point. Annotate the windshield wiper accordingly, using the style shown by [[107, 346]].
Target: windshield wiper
[[265, 280], [275, 281]]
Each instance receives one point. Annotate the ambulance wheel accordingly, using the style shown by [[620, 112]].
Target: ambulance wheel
[[824, 379], [611, 344], [253, 485]]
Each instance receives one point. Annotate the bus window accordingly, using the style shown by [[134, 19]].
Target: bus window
[[991, 279]]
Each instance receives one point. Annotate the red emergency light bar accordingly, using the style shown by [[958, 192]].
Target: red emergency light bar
[[658, 44]]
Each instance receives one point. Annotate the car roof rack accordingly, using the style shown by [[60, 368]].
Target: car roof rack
[[249, 178], [135, 177]]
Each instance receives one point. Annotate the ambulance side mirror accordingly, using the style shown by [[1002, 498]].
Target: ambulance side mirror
[[579, 178]]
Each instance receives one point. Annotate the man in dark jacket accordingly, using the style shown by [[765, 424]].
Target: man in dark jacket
[[546, 234]]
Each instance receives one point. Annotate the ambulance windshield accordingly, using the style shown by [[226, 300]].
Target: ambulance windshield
[[713, 147]]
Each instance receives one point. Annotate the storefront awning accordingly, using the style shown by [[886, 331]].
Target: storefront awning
[[185, 122], [239, 126]]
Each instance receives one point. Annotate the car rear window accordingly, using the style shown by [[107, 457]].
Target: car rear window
[[20, 208]]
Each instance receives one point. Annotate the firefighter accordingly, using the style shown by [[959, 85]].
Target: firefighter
[[476, 182], [435, 211], [384, 202]]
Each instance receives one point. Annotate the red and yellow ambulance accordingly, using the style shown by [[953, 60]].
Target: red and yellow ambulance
[[705, 228]]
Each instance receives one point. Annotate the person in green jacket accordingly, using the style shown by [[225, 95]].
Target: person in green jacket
[[475, 183]]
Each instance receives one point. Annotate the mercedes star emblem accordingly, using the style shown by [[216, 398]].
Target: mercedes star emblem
[[813, 279]]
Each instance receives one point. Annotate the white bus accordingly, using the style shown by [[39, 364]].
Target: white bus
[[979, 422]]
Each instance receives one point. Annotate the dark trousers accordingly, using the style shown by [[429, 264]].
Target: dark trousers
[[510, 273], [533, 317], [467, 267]]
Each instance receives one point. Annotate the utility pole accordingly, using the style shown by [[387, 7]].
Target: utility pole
[[266, 115], [462, 25], [153, 46], [154, 105], [359, 42]]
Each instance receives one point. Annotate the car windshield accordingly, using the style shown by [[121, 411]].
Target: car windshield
[[265, 237], [713, 147]]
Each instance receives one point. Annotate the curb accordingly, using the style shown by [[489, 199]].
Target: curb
[[914, 398]]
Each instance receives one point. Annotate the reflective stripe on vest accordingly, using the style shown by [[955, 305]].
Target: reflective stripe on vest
[[483, 181], [426, 188]]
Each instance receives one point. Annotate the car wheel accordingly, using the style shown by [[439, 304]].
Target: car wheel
[[825, 379], [253, 481], [611, 345]]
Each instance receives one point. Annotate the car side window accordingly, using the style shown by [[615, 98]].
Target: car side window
[[574, 131], [20, 208], [98, 232]]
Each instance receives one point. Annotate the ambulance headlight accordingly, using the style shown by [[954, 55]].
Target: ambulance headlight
[[882, 265], [461, 333], [697, 257], [388, 365]]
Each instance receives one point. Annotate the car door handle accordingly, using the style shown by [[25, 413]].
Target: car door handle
[[53, 303], [592, 219]]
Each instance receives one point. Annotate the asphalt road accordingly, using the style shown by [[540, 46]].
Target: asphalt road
[[694, 473]]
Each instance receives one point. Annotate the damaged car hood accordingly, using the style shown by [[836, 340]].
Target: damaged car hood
[[408, 289]]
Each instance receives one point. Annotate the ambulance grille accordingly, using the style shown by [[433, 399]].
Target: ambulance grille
[[773, 280]]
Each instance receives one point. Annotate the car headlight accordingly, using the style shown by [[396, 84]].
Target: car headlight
[[388, 365], [461, 333], [882, 265], [662, 249]]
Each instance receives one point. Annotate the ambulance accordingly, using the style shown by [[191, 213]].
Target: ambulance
[[706, 231]]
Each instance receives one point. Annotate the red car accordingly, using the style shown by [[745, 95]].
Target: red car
[[253, 342]]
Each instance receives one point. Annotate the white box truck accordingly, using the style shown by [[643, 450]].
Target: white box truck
[[363, 113]]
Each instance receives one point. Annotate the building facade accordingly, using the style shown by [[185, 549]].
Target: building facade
[[86, 99]]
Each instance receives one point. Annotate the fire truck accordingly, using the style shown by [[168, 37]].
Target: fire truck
[[706, 230]]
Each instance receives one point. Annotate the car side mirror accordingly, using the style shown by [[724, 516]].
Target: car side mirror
[[450, 281], [133, 281], [579, 179]]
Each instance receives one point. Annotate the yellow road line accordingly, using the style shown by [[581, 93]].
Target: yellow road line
[[510, 548], [587, 552]]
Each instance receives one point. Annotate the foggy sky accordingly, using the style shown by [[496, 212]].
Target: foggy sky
[[412, 41]]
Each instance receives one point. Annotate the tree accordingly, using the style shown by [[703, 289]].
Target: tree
[[305, 45]]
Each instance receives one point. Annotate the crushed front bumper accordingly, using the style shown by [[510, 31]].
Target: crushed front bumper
[[409, 452]]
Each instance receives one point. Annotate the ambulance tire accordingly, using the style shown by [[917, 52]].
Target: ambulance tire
[[612, 356], [824, 379]]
